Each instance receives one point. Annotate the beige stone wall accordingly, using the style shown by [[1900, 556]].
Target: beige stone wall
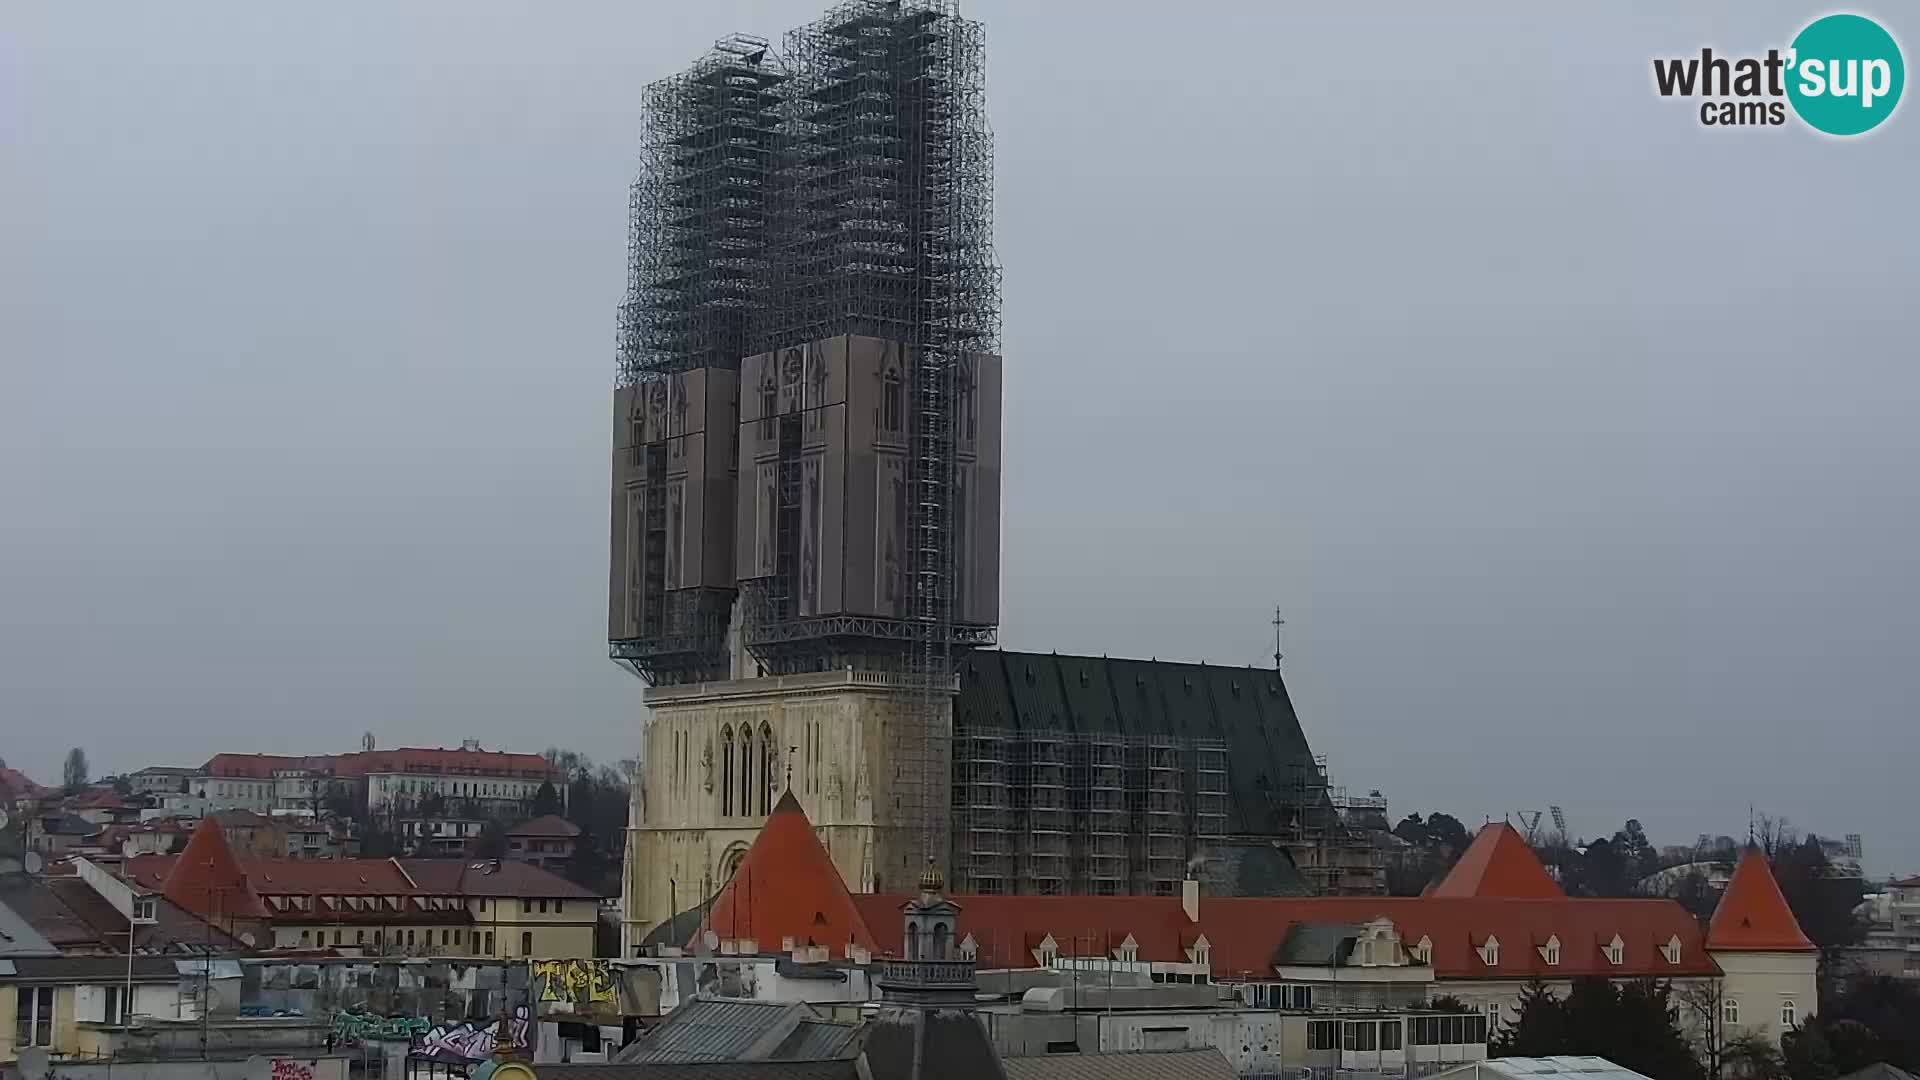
[[832, 734], [1762, 983]]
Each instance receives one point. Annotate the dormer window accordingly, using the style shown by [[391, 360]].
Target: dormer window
[[1202, 951], [1128, 952], [1550, 952], [1671, 950], [1423, 952], [1047, 953], [1490, 952], [1616, 951], [969, 948]]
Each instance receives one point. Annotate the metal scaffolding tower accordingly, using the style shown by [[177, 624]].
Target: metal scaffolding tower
[[884, 229], [843, 187]]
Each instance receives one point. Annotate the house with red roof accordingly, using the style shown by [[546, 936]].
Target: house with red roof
[[492, 783], [1496, 922], [1770, 965], [546, 841], [405, 907]]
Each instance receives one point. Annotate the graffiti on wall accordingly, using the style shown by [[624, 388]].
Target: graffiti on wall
[[448, 1040], [582, 982], [289, 1069], [353, 1027], [473, 1041]]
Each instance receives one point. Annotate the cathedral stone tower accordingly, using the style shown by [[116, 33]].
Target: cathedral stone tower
[[806, 451]]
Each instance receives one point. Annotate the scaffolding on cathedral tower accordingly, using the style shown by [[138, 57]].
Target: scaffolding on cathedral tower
[[804, 218]]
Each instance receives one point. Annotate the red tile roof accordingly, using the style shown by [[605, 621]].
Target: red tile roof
[[492, 877], [1752, 915], [20, 785], [406, 759], [379, 877], [546, 825], [206, 879], [1245, 933], [787, 886], [1498, 864]]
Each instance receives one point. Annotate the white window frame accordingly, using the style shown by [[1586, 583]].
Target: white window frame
[[1493, 1014], [34, 997], [1789, 1015], [1729, 1011], [1490, 951]]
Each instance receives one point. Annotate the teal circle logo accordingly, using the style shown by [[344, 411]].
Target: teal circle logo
[[1845, 74]]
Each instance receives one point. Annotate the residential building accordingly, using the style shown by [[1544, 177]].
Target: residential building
[[159, 780], [414, 907], [252, 835], [440, 835], [56, 832], [307, 838], [492, 784], [19, 789], [1481, 934], [546, 841], [1902, 908]]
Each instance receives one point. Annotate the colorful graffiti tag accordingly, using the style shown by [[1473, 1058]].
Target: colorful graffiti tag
[[449, 1040], [582, 982], [356, 1027], [473, 1041]]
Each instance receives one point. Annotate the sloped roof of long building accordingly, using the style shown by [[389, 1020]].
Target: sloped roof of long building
[[1269, 763]]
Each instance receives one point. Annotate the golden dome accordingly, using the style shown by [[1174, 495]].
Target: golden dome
[[931, 880]]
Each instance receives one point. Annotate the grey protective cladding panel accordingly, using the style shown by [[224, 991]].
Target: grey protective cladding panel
[[673, 458], [849, 399]]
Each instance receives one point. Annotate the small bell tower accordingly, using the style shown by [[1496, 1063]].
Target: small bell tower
[[932, 970]]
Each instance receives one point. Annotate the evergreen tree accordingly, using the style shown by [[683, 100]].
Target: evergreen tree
[[1539, 1028], [546, 800]]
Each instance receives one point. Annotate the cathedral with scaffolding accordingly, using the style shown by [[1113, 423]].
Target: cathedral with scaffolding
[[805, 563]]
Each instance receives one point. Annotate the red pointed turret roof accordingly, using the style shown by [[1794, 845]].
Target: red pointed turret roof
[[1498, 864], [787, 886], [208, 881], [1752, 915]]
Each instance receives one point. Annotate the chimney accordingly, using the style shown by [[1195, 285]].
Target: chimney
[[1190, 899]]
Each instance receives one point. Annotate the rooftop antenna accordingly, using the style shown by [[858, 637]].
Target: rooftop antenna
[[1278, 624]]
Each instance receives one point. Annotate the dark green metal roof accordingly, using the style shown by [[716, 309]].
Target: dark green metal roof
[[1269, 761]]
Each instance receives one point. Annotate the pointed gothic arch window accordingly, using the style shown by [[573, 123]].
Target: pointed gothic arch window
[[890, 400], [746, 770], [769, 766], [726, 770]]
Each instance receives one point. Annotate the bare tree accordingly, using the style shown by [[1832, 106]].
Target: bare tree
[[1700, 1005], [1773, 834], [75, 771]]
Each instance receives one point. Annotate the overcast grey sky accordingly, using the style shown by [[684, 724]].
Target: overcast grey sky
[[1575, 439]]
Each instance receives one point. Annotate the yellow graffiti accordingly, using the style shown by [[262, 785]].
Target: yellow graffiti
[[582, 982]]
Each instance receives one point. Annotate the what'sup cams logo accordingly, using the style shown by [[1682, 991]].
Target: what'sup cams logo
[[1842, 75]]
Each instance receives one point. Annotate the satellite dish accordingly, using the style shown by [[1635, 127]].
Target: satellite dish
[[246, 938], [4, 819], [33, 862]]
